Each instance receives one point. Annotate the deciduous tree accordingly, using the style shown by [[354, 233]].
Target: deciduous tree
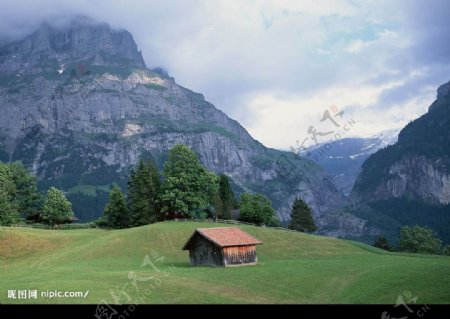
[[188, 187], [56, 209]]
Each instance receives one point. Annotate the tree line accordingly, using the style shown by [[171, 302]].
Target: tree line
[[184, 189], [415, 239]]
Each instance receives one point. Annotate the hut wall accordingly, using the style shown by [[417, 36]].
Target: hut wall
[[203, 252], [240, 255]]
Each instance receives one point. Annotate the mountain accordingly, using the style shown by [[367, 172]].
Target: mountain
[[409, 182], [79, 108], [343, 158]]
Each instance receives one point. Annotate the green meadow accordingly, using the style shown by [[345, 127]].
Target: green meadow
[[146, 265]]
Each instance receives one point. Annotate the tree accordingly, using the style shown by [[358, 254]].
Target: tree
[[9, 209], [417, 239], [188, 187], [382, 243], [301, 217], [27, 196], [115, 214], [257, 208], [56, 209], [226, 201], [143, 192]]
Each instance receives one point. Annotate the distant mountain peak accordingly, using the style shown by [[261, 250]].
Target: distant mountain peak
[[387, 137]]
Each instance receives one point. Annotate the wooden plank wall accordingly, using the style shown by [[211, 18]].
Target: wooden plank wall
[[203, 252], [239, 255]]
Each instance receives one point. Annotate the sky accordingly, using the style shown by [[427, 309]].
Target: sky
[[291, 72]]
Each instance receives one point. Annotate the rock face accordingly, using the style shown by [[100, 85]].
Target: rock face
[[409, 182], [79, 107], [418, 165], [418, 176]]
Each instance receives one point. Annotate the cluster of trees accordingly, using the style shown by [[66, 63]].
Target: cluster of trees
[[415, 239], [185, 188], [20, 200]]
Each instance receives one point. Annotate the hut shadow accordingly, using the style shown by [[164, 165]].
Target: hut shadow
[[188, 265]]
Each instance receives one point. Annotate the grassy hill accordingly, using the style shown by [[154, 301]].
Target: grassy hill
[[292, 268]]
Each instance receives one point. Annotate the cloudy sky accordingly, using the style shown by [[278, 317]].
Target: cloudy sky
[[276, 66]]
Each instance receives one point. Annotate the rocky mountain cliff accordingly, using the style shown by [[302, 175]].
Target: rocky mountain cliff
[[409, 182], [79, 107], [418, 165]]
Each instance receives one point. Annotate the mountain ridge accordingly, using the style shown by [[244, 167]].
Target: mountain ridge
[[408, 183]]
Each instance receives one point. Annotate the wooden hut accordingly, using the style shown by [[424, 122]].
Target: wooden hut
[[221, 246]]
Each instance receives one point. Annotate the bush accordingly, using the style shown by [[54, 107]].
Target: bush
[[257, 208], [417, 239]]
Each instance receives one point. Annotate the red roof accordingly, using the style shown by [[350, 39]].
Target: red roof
[[225, 237]]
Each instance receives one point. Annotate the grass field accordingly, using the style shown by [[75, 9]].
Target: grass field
[[146, 265], [89, 190]]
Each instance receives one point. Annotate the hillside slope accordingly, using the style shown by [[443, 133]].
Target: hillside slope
[[292, 268]]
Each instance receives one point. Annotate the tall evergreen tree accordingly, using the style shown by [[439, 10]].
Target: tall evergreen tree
[[301, 217], [56, 209], [143, 192], [116, 211], [27, 196], [226, 195], [382, 243], [188, 187], [9, 209]]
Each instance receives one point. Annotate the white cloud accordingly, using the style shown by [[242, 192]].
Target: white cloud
[[281, 119]]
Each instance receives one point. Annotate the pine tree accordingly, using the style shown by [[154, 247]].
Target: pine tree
[[143, 192], [301, 217], [116, 211], [226, 195], [382, 243], [56, 209], [27, 196], [9, 213]]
